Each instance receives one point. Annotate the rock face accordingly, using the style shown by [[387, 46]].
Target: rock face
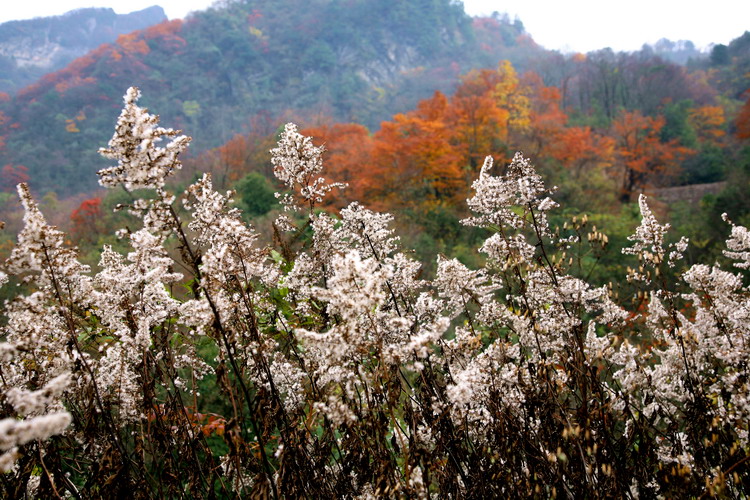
[[31, 48]]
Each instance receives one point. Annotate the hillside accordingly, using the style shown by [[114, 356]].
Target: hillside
[[33, 47], [252, 62]]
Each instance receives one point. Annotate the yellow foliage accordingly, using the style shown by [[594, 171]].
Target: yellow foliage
[[70, 126], [513, 97], [708, 122]]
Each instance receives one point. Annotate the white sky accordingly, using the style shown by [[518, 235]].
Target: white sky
[[569, 25]]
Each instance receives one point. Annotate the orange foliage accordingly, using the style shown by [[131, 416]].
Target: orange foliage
[[166, 33], [478, 82], [132, 44], [70, 126], [78, 71], [74, 81], [242, 154], [413, 154], [234, 155], [546, 119], [642, 157], [348, 152], [430, 154], [578, 148], [708, 122], [206, 423], [476, 120], [501, 96], [68, 77], [214, 424], [163, 29], [548, 136]]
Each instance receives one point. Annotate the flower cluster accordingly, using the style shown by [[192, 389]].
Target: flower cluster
[[41, 412], [298, 164], [140, 162]]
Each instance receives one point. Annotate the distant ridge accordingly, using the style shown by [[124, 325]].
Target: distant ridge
[[30, 48], [252, 62]]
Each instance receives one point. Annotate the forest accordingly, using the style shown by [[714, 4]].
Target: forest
[[472, 268]]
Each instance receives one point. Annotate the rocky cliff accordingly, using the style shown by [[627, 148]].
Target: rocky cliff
[[31, 48]]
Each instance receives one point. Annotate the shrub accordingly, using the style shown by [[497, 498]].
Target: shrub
[[333, 369]]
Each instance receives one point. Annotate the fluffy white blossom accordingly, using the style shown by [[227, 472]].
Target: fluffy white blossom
[[298, 164], [140, 162], [496, 196], [738, 246]]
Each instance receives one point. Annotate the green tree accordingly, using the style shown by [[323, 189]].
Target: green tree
[[255, 194]]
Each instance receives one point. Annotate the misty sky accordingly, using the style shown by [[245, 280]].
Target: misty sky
[[572, 25]]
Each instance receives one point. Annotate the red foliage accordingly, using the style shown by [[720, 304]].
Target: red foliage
[[254, 16], [642, 156], [348, 152], [743, 119], [234, 156], [86, 218], [3, 121], [79, 72]]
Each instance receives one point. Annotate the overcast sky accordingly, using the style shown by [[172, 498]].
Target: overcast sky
[[570, 25]]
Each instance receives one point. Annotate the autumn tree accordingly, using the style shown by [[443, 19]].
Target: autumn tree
[[578, 149], [512, 96], [233, 158], [708, 123], [479, 124], [86, 220], [547, 120], [642, 157], [413, 154], [348, 150], [230, 162]]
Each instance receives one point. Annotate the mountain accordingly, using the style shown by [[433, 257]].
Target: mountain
[[31, 48], [248, 64]]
